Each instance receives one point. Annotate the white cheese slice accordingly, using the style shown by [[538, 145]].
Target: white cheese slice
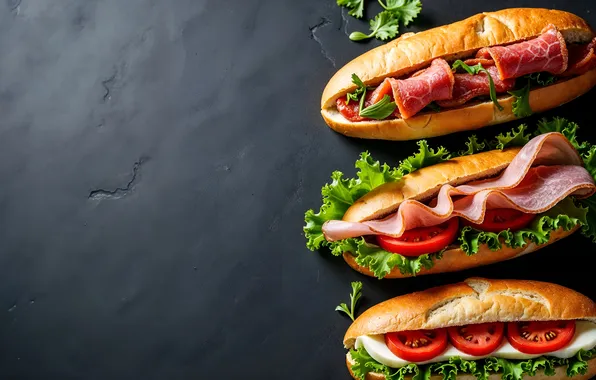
[[585, 338]]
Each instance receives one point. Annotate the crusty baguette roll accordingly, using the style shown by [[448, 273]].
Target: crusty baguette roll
[[455, 259], [560, 373], [414, 51], [476, 300]]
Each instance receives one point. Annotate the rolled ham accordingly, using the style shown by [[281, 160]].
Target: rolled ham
[[544, 172], [413, 94], [582, 58], [468, 86], [545, 53]]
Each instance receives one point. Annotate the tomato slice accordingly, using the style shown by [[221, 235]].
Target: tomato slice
[[499, 219], [417, 345], [540, 337], [349, 111], [478, 339], [418, 241]]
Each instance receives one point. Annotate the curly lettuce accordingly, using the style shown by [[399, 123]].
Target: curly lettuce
[[510, 369]]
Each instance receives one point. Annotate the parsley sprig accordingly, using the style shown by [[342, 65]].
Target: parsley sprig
[[384, 25], [354, 297]]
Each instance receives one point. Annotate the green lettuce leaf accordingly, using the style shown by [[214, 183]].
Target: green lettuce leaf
[[567, 128], [566, 214], [515, 137], [424, 157], [481, 369], [473, 146]]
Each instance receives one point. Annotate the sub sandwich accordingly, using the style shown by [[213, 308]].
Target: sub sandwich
[[440, 212], [488, 69], [477, 329]]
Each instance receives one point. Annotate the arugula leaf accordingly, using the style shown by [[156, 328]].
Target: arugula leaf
[[406, 10], [359, 93], [474, 70], [356, 7], [341, 193], [384, 26], [521, 104], [541, 79], [515, 137], [379, 110], [473, 146], [425, 157], [509, 369], [433, 107], [354, 297]]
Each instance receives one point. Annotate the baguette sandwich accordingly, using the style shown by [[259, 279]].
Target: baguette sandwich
[[440, 212], [477, 329], [488, 69]]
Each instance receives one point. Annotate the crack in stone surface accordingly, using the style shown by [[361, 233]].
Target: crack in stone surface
[[313, 35], [119, 192], [105, 84], [13, 4], [344, 22]]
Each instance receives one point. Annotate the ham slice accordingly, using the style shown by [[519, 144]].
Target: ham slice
[[413, 94], [544, 172], [469, 86], [545, 53], [582, 58]]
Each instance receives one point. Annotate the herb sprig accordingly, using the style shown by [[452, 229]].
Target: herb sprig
[[354, 298]]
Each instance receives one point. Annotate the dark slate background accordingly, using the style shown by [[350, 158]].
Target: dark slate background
[[156, 159]]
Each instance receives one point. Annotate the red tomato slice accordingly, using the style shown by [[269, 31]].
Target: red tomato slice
[[478, 339], [540, 337], [418, 345], [349, 111], [499, 219], [418, 241]]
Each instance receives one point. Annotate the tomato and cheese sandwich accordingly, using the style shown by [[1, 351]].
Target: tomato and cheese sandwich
[[488, 69], [477, 329], [437, 212]]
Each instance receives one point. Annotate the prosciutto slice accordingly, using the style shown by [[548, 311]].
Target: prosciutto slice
[[469, 86], [545, 53], [413, 94], [582, 58], [544, 172]]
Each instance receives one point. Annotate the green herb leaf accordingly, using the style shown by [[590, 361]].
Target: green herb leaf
[[515, 137], [521, 104], [359, 92], [354, 298], [406, 10], [380, 110], [474, 70], [433, 107], [425, 157], [356, 7], [541, 79], [384, 26]]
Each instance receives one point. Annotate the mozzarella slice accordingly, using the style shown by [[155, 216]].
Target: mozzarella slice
[[585, 338]]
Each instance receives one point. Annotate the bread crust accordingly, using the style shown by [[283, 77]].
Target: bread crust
[[457, 40], [454, 260], [476, 300], [560, 373], [425, 183], [466, 117]]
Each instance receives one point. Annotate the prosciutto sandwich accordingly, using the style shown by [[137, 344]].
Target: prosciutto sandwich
[[488, 69], [477, 329], [440, 212]]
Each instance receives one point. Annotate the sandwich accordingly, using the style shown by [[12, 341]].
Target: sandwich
[[488, 69], [442, 212], [477, 329]]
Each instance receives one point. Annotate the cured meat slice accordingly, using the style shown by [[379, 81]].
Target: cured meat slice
[[545, 53], [413, 94], [557, 173], [582, 58], [469, 86]]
